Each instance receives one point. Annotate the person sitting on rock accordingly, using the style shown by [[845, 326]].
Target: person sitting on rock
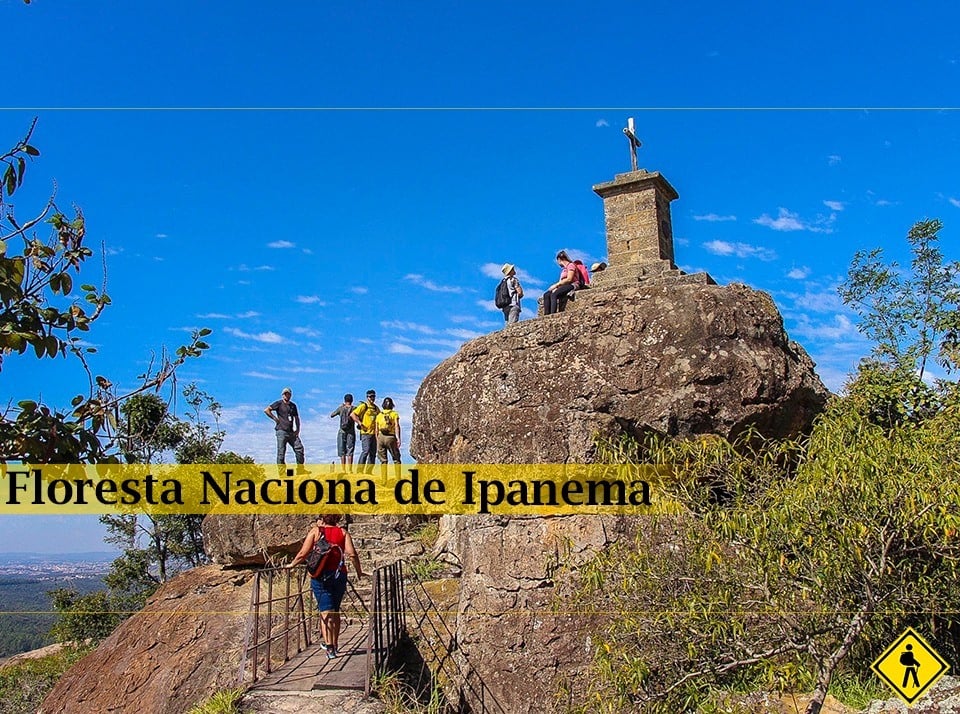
[[330, 585], [563, 287]]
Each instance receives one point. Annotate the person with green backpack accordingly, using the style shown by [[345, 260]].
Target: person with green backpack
[[388, 437]]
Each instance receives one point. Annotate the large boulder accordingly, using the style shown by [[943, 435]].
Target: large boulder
[[678, 359], [184, 645], [682, 360], [239, 540]]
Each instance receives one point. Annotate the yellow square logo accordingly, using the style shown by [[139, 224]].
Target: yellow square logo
[[910, 666]]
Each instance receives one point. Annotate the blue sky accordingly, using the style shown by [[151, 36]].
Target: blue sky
[[332, 187]]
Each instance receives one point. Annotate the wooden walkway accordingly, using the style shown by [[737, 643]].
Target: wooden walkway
[[312, 670]]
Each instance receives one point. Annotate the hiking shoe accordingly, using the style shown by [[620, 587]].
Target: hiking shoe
[[331, 653]]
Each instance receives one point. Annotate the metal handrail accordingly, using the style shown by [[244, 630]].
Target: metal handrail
[[279, 624], [387, 618], [274, 626]]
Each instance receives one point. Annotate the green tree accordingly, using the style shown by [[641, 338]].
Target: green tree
[[913, 319], [41, 309], [793, 561], [82, 617], [155, 547]]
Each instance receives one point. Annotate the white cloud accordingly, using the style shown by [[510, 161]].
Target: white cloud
[[602, 122], [161, 235], [841, 328], [243, 268], [714, 218], [494, 270], [404, 349], [883, 202], [489, 306], [221, 316], [423, 282], [834, 205], [833, 160], [954, 202], [268, 337], [799, 273], [463, 334], [820, 301], [741, 250], [789, 221], [306, 332], [262, 375], [785, 221], [281, 244], [408, 327], [359, 290], [310, 300]]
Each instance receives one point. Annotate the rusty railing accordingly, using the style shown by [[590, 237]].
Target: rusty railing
[[278, 621], [387, 618]]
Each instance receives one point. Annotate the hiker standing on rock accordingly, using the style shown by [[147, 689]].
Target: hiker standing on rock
[[285, 415], [330, 584], [347, 433], [509, 293]]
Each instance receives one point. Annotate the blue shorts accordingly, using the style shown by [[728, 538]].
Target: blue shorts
[[329, 591]]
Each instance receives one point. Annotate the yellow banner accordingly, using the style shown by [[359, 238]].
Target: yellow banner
[[506, 489]]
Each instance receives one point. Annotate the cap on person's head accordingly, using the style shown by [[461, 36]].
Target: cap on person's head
[[371, 392], [507, 268], [287, 390], [597, 267]]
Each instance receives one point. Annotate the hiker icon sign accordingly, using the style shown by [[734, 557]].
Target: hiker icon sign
[[910, 666]]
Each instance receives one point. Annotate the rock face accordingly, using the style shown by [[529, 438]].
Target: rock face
[[253, 540], [184, 645], [516, 643], [681, 360]]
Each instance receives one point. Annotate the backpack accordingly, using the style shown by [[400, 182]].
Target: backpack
[[388, 425], [324, 556], [362, 414], [583, 275], [346, 423], [502, 297]]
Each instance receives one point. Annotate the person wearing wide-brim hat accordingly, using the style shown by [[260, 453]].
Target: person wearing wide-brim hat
[[511, 313]]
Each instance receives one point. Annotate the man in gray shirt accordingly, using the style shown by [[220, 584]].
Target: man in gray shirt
[[287, 418]]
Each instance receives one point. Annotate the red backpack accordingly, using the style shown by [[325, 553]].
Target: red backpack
[[583, 275]]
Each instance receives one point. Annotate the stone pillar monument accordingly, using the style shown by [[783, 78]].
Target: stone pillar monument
[[636, 207]]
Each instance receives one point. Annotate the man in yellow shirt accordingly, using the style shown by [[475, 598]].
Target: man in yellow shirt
[[365, 416]]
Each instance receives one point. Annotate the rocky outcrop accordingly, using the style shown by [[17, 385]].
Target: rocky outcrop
[[257, 540], [681, 360], [253, 540], [518, 639], [184, 645]]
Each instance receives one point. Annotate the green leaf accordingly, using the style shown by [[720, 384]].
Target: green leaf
[[31, 150], [204, 332], [66, 283], [21, 167], [202, 346], [87, 287], [27, 405]]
